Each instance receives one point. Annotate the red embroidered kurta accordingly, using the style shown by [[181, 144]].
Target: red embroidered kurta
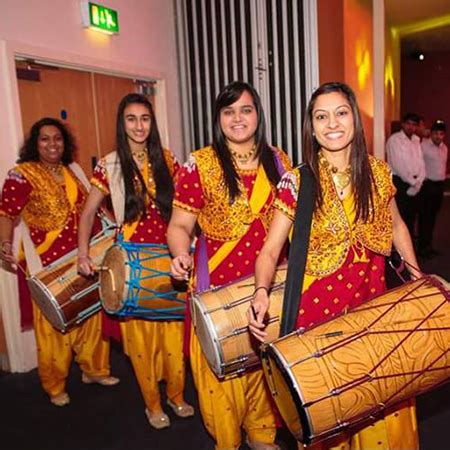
[[358, 278], [16, 194], [151, 227], [190, 196]]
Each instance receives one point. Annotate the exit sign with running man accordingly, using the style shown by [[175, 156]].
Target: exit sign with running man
[[100, 17]]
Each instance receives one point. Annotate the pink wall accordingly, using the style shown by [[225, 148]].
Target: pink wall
[[146, 46], [425, 87], [51, 30]]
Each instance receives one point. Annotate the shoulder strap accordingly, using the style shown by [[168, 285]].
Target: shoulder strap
[[298, 250]]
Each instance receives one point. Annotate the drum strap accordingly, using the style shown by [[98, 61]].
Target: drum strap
[[298, 250]]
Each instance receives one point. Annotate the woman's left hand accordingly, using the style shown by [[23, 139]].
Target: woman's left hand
[[256, 314]]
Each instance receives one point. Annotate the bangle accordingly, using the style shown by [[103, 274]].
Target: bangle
[[261, 287]]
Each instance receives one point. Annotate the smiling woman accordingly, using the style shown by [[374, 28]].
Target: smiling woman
[[138, 178], [228, 188], [46, 191], [355, 223]]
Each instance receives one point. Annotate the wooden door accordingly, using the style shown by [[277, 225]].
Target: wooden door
[[109, 91], [64, 94], [85, 101]]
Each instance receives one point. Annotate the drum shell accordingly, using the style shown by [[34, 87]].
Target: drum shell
[[220, 320], [130, 273], [338, 376], [65, 297]]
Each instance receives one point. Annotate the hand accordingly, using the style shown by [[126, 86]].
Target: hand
[[414, 273], [6, 252], [412, 191], [181, 266], [256, 314], [85, 266]]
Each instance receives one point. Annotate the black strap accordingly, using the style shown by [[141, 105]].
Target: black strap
[[298, 250]]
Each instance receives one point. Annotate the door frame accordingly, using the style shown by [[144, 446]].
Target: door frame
[[21, 346]]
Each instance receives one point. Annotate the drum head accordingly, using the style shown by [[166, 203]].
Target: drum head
[[47, 303], [206, 333], [284, 391], [112, 279]]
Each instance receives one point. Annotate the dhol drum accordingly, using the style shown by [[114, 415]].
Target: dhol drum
[[220, 320], [344, 373], [65, 297], [135, 282]]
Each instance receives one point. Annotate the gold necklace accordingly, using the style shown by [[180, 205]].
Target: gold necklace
[[341, 179], [244, 158], [56, 170], [141, 155]]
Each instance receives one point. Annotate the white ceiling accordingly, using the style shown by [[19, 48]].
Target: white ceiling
[[407, 12], [402, 12]]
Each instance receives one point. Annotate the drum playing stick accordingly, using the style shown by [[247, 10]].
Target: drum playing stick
[[111, 275]]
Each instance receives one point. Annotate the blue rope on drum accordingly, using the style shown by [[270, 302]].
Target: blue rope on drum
[[140, 257]]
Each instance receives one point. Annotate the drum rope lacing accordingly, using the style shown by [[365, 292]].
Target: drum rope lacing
[[369, 330], [137, 269]]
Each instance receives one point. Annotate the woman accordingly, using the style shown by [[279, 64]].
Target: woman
[[354, 225], [46, 191], [228, 188], [141, 192]]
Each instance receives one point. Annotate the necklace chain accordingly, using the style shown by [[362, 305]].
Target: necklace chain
[[341, 179], [244, 158], [54, 169]]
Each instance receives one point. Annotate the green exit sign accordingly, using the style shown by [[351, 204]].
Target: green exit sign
[[100, 17]]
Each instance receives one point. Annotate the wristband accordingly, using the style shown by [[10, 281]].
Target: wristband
[[261, 287]]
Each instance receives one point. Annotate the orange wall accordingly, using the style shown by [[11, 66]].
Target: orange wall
[[346, 51], [391, 78], [331, 40], [358, 40]]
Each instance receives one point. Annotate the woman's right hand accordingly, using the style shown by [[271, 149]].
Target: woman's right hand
[[85, 266], [180, 267], [6, 252], [257, 312]]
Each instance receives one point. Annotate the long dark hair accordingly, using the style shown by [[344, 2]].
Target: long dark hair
[[226, 97], [29, 150], [361, 173], [135, 197]]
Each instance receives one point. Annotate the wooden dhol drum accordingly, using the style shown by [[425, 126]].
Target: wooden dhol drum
[[65, 297], [135, 282], [220, 319], [344, 373]]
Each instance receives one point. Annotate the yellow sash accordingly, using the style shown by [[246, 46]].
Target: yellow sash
[[72, 193], [260, 194]]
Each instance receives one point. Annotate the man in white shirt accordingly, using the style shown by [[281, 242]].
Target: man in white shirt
[[435, 154], [405, 158]]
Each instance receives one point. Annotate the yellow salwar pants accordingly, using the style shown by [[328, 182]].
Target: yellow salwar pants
[[55, 351], [396, 431], [228, 404], [156, 352]]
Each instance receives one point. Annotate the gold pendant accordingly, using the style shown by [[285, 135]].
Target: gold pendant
[[341, 179]]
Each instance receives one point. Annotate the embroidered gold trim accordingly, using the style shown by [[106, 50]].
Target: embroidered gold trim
[[48, 207]]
